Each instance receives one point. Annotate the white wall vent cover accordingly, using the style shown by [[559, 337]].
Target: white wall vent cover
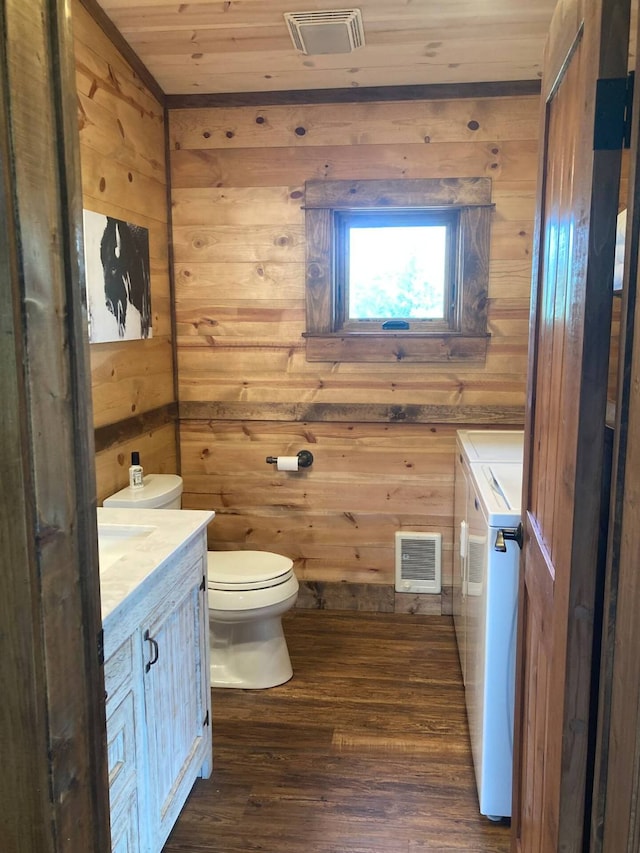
[[475, 564], [332, 31], [418, 562]]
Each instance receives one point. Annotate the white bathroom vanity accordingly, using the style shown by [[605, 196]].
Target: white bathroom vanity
[[153, 579]]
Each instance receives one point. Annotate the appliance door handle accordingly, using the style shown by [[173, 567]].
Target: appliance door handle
[[513, 534], [463, 539]]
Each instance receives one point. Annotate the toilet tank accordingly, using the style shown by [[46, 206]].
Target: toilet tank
[[159, 491]]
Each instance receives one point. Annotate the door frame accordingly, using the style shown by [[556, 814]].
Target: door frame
[[54, 785], [615, 824]]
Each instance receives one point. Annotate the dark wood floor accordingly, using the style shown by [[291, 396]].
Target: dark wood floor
[[365, 750]]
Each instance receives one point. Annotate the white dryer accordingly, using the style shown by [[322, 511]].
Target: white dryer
[[488, 484]]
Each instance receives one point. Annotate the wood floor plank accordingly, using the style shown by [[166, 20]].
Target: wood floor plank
[[365, 750]]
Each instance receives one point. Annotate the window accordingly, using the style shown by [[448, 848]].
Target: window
[[394, 270], [397, 270]]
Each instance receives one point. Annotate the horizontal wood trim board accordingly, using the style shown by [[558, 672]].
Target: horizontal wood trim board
[[344, 595], [365, 597], [113, 33], [386, 347], [390, 203], [112, 434], [416, 192], [352, 413], [436, 91]]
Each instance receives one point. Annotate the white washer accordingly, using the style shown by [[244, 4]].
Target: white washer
[[490, 445], [491, 561], [473, 446]]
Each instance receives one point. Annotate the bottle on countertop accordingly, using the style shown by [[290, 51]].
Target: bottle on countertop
[[135, 472]]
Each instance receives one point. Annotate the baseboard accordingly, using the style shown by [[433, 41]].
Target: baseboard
[[366, 597]]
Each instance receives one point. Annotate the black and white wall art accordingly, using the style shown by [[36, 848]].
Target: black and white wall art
[[118, 280]]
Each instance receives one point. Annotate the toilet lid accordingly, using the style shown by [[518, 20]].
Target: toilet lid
[[243, 570]]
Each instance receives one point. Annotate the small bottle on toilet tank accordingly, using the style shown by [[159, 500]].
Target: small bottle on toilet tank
[[135, 472]]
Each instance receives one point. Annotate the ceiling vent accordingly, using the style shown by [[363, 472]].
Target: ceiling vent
[[332, 31], [418, 562]]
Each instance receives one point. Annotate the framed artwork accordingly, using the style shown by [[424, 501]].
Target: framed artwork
[[618, 263], [118, 279]]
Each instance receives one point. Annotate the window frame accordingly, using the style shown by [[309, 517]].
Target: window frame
[[466, 336], [423, 216]]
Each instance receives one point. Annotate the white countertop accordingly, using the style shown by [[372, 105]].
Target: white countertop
[[143, 541]]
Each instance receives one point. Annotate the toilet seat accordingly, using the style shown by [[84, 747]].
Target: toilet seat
[[239, 571]]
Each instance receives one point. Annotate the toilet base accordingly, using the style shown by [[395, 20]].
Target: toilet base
[[249, 655]]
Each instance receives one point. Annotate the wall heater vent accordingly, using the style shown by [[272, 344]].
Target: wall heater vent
[[475, 564], [418, 562], [331, 31]]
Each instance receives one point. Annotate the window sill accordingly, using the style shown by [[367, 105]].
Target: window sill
[[395, 347]]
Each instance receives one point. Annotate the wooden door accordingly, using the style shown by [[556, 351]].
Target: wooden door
[[569, 342]]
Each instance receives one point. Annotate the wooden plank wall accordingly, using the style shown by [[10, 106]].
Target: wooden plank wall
[[237, 178], [123, 158]]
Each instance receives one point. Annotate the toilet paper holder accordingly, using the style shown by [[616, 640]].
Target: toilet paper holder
[[305, 459]]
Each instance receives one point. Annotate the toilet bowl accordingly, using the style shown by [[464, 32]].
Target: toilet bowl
[[248, 593]]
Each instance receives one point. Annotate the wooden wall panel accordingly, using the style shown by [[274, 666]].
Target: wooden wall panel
[[238, 179], [158, 453], [512, 161], [336, 519], [124, 174], [125, 384], [359, 124]]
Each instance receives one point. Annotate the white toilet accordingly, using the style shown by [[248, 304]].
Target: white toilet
[[248, 593]]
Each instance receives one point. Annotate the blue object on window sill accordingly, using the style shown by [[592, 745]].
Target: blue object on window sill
[[394, 325]]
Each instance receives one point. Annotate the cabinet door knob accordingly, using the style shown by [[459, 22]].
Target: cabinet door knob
[[154, 652]]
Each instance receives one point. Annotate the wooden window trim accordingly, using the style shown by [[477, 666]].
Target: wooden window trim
[[325, 341]]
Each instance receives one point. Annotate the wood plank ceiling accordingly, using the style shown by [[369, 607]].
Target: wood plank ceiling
[[244, 45]]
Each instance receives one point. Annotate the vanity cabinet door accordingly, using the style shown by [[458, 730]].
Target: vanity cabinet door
[[124, 825], [125, 716], [177, 702]]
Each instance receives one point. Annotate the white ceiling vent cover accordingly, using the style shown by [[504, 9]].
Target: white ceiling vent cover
[[332, 31], [418, 562]]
